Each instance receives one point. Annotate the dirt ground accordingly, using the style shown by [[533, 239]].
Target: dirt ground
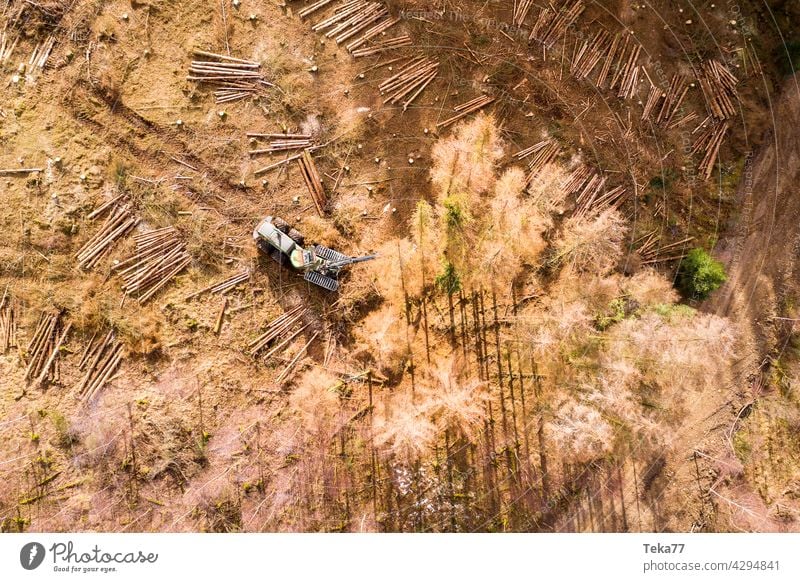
[[193, 433]]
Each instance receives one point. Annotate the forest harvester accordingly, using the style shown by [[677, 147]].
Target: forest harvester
[[319, 265]]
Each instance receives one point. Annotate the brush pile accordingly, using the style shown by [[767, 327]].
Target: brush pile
[[44, 349], [99, 362], [119, 223], [160, 255], [233, 78], [8, 324]]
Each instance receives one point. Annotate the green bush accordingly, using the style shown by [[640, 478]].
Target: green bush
[[448, 280], [699, 274]]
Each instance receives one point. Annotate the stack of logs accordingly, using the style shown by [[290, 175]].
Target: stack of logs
[[626, 78], [719, 89], [544, 153], [466, 109], [595, 202], [8, 323], [590, 53], [350, 19], [651, 253], [409, 81], [710, 138], [281, 142], [120, 221], [313, 182], [41, 52], [223, 286], [234, 78], [383, 46], [277, 327], [99, 362], [673, 99], [7, 46], [551, 25], [160, 255], [521, 9], [44, 349]]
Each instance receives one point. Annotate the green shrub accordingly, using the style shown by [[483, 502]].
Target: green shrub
[[448, 280], [699, 274]]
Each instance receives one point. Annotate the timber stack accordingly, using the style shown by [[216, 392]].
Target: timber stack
[[44, 350], [119, 223], [160, 255], [313, 181], [8, 323], [277, 327], [466, 109], [233, 78], [99, 362], [410, 81], [280, 142]]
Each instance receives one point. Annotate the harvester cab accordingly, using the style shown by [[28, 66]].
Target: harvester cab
[[319, 265]]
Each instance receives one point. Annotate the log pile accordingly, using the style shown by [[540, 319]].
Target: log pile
[[551, 25], [378, 29], [8, 323], [654, 97], [41, 52], [651, 252], [281, 142], [626, 78], [313, 182], [44, 350], [673, 99], [119, 223], [610, 56], [7, 46], [544, 153], [350, 19], [410, 81], [521, 9], [588, 192], [575, 182], [290, 366], [233, 78], [596, 202], [708, 143], [160, 255], [277, 327], [719, 89], [223, 286], [466, 109], [99, 362], [383, 46], [589, 55]]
